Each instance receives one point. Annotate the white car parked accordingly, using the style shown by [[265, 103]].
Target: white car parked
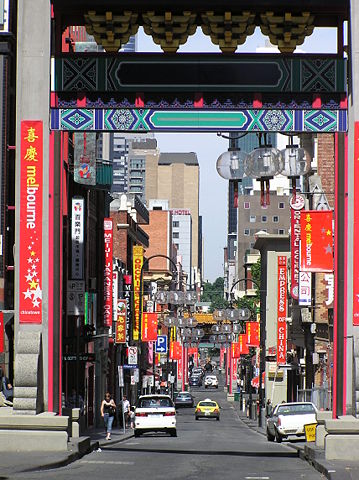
[[155, 413], [288, 419], [211, 381]]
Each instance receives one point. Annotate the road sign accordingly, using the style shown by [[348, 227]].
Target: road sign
[[161, 344], [132, 355], [75, 297]]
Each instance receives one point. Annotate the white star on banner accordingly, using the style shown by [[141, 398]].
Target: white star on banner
[[29, 277], [38, 293], [29, 260], [27, 294], [35, 303]]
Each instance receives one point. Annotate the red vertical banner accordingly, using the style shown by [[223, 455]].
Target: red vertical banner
[[243, 347], [235, 350], [2, 343], [234, 372], [297, 203], [108, 277], [175, 351], [149, 327], [180, 370], [252, 333], [30, 245], [356, 228], [137, 257], [282, 311], [316, 241], [221, 357], [121, 321]]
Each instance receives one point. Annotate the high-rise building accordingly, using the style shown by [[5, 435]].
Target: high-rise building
[[176, 177]]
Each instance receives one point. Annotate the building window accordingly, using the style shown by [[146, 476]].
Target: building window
[[247, 232], [275, 219], [175, 224], [252, 218], [247, 205], [175, 234], [281, 205], [281, 231], [264, 218]]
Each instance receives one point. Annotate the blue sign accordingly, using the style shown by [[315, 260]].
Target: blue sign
[[161, 344]]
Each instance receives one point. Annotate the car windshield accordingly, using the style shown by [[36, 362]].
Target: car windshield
[[211, 378], [183, 395], [207, 404], [301, 408], [155, 402]]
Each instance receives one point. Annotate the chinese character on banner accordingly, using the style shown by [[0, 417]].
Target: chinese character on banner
[[282, 311], [297, 204], [137, 256], [121, 321], [316, 241], [149, 327], [108, 267], [252, 332], [235, 350], [234, 370], [31, 220], [243, 347], [175, 351]]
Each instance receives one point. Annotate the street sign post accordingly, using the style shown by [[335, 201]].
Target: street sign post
[[161, 344]]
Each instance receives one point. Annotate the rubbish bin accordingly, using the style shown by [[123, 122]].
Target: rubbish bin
[[236, 396]]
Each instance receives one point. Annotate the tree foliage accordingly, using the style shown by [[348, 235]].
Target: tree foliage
[[214, 293]]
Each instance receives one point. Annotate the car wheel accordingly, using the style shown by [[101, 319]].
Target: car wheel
[[137, 433], [270, 437], [197, 418], [278, 437], [217, 419], [173, 433], [205, 386], [216, 386]]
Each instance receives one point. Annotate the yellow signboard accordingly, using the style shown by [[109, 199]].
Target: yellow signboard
[[310, 432], [137, 256]]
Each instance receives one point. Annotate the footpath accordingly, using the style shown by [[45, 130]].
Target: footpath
[[333, 470], [94, 439]]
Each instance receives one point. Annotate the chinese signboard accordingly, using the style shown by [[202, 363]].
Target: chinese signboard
[[175, 351], [149, 327], [30, 247], [77, 238], [85, 158], [252, 332], [127, 295], [297, 204], [137, 267], [305, 289], [108, 278], [316, 251], [121, 313], [282, 311]]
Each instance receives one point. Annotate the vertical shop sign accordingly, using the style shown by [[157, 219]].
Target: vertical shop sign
[[316, 241], [121, 312], [137, 267], [356, 228], [149, 327], [107, 289], [30, 245], [282, 311], [305, 289], [77, 238], [127, 295], [297, 203], [114, 294]]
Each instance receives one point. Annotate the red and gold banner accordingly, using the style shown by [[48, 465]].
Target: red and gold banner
[[121, 321], [108, 277], [137, 255], [175, 351], [235, 350], [221, 357], [243, 347], [30, 245], [149, 327], [316, 241], [297, 204], [252, 332], [234, 372], [180, 369], [282, 311]]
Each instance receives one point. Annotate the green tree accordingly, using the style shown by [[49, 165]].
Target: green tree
[[214, 293]]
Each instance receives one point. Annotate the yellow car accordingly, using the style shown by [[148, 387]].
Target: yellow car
[[207, 409]]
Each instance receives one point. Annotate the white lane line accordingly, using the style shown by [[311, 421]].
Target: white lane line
[[110, 462], [132, 443], [256, 478]]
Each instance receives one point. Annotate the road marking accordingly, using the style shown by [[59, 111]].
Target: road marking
[[132, 443], [111, 462], [256, 478]]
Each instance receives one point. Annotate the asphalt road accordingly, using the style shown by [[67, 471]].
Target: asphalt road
[[204, 449]]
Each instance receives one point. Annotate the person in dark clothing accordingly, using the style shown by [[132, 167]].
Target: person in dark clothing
[[5, 387], [108, 411]]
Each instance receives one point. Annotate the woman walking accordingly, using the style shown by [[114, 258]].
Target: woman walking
[[108, 410]]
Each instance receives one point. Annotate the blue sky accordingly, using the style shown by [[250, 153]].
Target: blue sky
[[208, 146]]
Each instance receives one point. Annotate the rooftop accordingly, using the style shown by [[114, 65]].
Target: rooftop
[[171, 158]]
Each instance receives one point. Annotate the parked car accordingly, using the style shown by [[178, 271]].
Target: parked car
[[207, 409], [211, 381], [155, 413], [288, 419], [195, 381], [184, 399]]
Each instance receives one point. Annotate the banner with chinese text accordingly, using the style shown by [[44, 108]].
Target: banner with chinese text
[[282, 311], [235, 350], [252, 332], [316, 241], [121, 321], [297, 203], [149, 327], [243, 347], [77, 238], [175, 351], [108, 278], [137, 255], [30, 234]]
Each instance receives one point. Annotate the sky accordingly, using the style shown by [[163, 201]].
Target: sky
[[208, 146]]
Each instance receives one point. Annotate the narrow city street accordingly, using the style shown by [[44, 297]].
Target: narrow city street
[[204, 449]]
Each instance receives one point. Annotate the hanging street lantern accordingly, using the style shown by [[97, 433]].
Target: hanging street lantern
[[230, 166], [263, 164], [296, 163]]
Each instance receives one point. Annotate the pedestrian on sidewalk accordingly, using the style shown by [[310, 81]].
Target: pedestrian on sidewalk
[[126, 410], [108, 411]]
